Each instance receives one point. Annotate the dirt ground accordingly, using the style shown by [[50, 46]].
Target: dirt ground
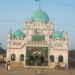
[[34, 71]]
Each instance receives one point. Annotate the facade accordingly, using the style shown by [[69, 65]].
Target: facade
[[38, 44]]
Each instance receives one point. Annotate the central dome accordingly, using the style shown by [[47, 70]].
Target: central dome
[[40, 16]]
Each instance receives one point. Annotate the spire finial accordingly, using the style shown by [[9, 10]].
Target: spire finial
[[10, 31], [39, 3]]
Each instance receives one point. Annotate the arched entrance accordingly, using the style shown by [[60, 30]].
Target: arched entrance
[[31, 60], [39, 60], [42, 60], [37, 56]]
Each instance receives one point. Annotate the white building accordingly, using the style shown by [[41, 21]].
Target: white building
[[38, 44]]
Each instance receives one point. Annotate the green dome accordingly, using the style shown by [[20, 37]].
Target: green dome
[[57, 35], [18, 34], [39, 15]]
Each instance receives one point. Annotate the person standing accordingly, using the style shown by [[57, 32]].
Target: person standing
[[8, 65]]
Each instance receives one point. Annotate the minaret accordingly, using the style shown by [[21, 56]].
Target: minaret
[[10, 34]]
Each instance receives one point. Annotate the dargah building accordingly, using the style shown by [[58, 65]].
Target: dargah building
[[38, 44]]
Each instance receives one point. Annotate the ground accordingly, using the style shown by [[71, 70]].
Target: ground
[[34, 71]]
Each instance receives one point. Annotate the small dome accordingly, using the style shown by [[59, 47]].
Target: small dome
[[39, 15], [18, 34], [57, 35]]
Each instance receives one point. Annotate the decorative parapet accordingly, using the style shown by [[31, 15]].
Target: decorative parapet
[[38, 42], [38, 25], [16, 43]]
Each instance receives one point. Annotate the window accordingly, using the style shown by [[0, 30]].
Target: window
[[13, 57], [60, 59], [21, 57], [52, 58]]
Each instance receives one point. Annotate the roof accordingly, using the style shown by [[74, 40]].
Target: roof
[[39, 15]]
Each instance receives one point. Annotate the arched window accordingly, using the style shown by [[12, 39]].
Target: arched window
[[21, 57], [52, 58], [13, 57], [60, 59]]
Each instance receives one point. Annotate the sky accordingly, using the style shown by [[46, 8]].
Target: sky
[[14, 12]]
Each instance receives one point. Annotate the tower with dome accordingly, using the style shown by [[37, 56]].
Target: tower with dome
[[38, 45]]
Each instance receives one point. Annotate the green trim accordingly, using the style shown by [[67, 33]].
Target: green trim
[[38, 38]]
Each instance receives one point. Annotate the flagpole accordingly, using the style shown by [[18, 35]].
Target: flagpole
[[39, 4]]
